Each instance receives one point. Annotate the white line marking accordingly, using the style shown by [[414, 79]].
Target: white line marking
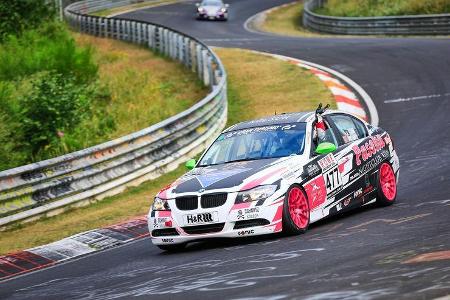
[[417, 98]]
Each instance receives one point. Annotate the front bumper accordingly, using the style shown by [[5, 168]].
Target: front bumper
[[234, 220], [205, 16]]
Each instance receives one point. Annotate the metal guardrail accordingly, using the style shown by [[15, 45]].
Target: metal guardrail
[[49, 187], [394, 25]]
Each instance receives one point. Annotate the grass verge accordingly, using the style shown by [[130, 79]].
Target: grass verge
[[145, 88], [258, 85], [364, 8], [287, 20]]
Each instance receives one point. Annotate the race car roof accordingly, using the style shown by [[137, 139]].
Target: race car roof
[[287, 118]]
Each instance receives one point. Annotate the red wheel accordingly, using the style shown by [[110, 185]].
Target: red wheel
[[387, 185], [295, 211]]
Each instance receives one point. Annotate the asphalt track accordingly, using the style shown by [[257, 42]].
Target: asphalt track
[[372, 253]]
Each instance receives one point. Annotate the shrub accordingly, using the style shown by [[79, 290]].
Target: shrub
[[55, 104], [18, 15], [47, 48]]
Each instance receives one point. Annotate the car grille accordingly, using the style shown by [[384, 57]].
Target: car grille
[[213, 200], [164, 232], [201, 229], [250, 223], [187, 203]]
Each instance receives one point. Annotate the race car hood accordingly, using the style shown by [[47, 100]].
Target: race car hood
[[211, 10], [232, 176]]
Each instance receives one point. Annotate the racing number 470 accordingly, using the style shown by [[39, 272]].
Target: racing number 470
[[333, 179]]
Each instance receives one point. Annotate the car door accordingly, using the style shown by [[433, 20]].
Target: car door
[[350, 132], [323, 188]]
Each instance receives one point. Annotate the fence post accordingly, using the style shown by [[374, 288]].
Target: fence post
[[206, 67]]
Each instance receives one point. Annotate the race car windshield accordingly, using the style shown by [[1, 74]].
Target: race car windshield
[[256, 143], [211, 3]]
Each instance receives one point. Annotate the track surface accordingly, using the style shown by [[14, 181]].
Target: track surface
[[356, 256]]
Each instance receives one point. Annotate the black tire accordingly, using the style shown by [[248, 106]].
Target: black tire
[[289, 225], [387, 195], [172, 248]]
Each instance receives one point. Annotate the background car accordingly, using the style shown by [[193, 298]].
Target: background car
[[280, 173], [212, 10]]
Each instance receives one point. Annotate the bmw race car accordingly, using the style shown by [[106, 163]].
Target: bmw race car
[[212, 10], [277, 174]]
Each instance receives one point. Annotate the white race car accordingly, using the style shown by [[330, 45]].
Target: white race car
[[212, 10], [280, 173]]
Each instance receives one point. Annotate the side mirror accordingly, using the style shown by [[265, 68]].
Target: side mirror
[[197, 4], [227, 5], [190, 164], [325, 148]]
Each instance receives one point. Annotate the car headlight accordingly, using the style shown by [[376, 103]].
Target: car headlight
[[224, 10], [160, 204], [257, 193], [201, 9]]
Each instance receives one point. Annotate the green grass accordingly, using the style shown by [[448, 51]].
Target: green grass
[[117, 88], [258, 86], [145, 87], [371, 8], [287, 21]]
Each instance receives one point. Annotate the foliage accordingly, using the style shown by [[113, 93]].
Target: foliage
[[368, 8], [55, 104], [19, 15], [50, 47]]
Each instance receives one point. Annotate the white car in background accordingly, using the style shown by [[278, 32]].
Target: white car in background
[[212, 10]]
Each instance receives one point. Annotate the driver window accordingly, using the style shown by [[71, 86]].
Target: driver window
[[346, 127], [328, 137]]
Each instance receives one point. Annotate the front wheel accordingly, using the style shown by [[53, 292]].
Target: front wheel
[[295, 211], [172, 248], [387, 185]]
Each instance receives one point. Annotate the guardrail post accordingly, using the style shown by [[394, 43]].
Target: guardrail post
[[206, 67], [106, 22], [181, 50], [199, 61], [151, 36]]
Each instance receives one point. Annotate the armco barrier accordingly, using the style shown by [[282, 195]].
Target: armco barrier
[[395, 25], [49, 187]]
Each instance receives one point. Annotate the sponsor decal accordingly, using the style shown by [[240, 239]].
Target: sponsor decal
[[167, 240], [327, 162], [333, 180], [201, 218], [368, 189], [316, 192], [257, 129], [347, 200], [248, 213], [312, 170], [354, 176], [252, 210], [246, 232], [358, 193], [368, 149], [373, 163]]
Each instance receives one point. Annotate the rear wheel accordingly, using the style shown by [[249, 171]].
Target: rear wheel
[[295, 211], [387, 185], [172, 248]]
